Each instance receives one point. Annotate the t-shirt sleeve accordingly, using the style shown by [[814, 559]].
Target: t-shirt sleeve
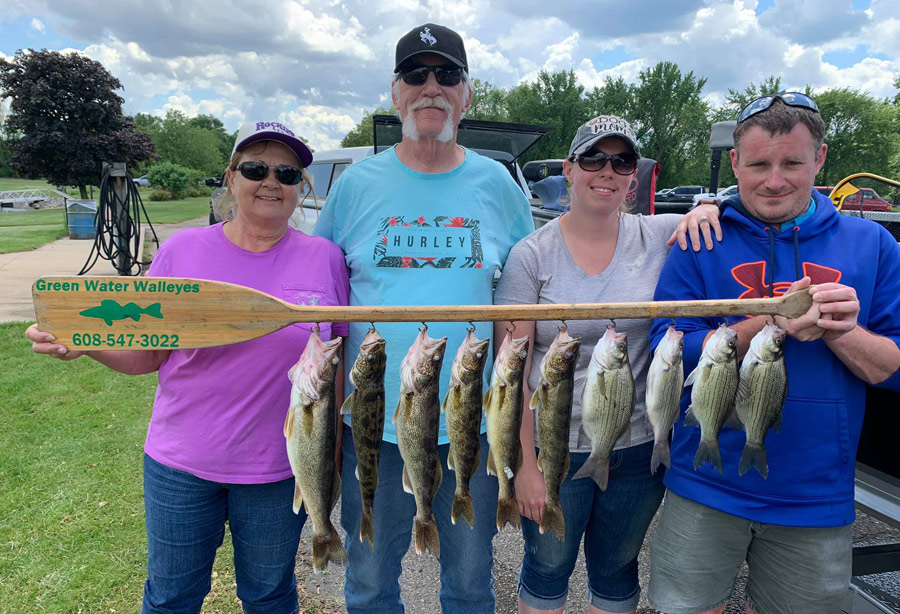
[[519, 282]]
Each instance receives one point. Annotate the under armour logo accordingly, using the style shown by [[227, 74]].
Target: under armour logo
[[427, 37]]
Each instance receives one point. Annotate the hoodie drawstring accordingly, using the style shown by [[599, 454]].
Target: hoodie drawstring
[[797, 252], [770, 268]]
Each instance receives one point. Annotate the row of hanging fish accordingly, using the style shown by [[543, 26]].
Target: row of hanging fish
[[721, 394]]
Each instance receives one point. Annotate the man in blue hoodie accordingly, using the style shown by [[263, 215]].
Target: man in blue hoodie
[[780, 235]]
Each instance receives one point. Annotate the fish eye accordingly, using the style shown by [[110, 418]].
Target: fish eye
[[523, 354], [478, 355], [436, 357], [335, 360], [621, 347], [731, 343], [370, 357], [569, 355]]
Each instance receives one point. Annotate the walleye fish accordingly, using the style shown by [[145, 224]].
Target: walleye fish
[[311, 432], [715, 382], [418, 418], [503, 406], [761, 393], [366, 408], [607, 403], [665, 381], [462, 405], [553, 402]]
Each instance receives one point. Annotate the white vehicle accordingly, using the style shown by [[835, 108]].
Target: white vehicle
[[722, 194]]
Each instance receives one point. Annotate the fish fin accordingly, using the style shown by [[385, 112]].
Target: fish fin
[[335, 488], [154, 310], [689, 380], [754, 455], [708, 452], [450, 464], [732, 421], [776, 426], [486, 402], [477, 460], [552, 519], [625, 439], [298, 497], [438, 478], [660, 456], [491, 465], [306, 418], [508, 513], [743, 391], [289, 423], [520, 453], [463, 508], [540, 462], [689, 418], [327, 548], [108, 321], [397, 411], [367, 528], [446, 399], [407, 486], [347, 405], [356, 473], [426, 537], [536, 398], [596, 468]]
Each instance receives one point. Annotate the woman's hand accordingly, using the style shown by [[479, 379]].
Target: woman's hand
[[42, 343], [530, 491], [696, 222]]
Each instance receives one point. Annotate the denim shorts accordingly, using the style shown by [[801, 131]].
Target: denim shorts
[[613, 524], [697, 553], [185, 518]]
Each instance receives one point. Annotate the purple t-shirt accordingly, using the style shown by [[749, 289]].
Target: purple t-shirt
[[219, 412]]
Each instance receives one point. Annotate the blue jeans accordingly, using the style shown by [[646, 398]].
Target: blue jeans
[[613, 524], [372, 583], [186, 525]]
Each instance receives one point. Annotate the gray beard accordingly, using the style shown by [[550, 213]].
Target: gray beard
[[411, 131]]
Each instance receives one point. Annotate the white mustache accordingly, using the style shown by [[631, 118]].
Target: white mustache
[[424, 103]]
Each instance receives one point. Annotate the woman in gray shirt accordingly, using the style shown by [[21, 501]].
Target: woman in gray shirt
[[595, 253]]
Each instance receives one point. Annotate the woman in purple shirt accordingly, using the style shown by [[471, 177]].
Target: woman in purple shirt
[[215, 449]]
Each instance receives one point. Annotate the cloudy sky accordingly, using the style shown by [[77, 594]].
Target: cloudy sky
[[318, 64]]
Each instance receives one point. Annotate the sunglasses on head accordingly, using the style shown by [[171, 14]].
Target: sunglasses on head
[[622, 163], [792, 99], [257, 171], [445, 75]]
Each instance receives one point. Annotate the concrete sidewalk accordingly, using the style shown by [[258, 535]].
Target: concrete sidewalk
[[63, 257]]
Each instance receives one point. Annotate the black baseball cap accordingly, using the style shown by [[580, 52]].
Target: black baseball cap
[[431, 38]]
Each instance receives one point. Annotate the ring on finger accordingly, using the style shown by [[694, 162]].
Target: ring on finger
[[703, 219]]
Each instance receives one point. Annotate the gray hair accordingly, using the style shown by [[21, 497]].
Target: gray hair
[[225, 206]]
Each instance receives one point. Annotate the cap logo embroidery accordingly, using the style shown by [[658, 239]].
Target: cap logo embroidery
[[428, 37], [275, 126], [610, 124]]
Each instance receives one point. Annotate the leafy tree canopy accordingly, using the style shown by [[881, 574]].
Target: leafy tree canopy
[[363, 134], [66, 119]]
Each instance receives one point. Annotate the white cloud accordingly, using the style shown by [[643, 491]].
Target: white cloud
[[37, 25]]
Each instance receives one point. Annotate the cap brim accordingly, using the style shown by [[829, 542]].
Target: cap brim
[[440, 53], [583, 147], [304, 155]]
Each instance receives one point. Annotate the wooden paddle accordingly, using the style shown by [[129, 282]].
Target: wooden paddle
[[148, 313]]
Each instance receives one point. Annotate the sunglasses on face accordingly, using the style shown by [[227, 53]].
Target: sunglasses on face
[[445, 75], [622, 163], [792, 99], [257, 171]]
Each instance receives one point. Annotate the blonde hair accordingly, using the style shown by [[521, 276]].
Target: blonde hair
[[225, 207]]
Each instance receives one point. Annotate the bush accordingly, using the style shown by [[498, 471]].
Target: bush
[[159, 196], [195, 191], [171, 177]]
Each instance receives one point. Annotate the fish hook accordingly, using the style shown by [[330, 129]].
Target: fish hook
[[424, 327], [315, 327], [511, 328], [612, 322], [564, 325], [471, 330], [672, 320]]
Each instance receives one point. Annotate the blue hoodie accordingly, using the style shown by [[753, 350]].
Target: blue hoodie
[[812, 458]]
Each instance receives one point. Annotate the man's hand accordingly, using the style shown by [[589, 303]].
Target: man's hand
[[805, 327], [695, 223], [839, 308]]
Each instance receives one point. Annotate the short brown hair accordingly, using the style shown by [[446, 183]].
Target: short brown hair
[[781, 119]]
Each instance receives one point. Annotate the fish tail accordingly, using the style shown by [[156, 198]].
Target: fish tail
[[708, 452], [508, 512], [367, 528], [463, 508], [596, 468], [552, 519], [426, 536], [327, 548], [754, 456], [154, 310], [660, 456]]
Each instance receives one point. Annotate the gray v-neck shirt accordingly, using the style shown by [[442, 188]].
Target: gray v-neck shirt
[[540, 269]]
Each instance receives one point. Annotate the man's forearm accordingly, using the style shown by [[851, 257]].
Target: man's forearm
[[870, 357]]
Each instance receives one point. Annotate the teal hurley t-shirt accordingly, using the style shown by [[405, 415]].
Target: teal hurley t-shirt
[[415, 238]]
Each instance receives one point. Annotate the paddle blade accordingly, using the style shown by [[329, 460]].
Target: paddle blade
[[154, 313]]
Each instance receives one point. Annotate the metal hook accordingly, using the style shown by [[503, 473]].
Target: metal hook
[[564, 325], [424, 327], [372, 324], [672, 320], [315, 327], [513, 329], [612, 322], [472, 324]]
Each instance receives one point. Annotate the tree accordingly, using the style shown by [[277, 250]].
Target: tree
[[66, 119], [197, 144], [671, 122], [553, 100], [614, 97], [735, 101], [363, 134], [488, 102], [862, 134], [215, 126], [171, 177]]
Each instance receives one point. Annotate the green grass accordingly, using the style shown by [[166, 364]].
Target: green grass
[[71, 505], [27, 230]]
